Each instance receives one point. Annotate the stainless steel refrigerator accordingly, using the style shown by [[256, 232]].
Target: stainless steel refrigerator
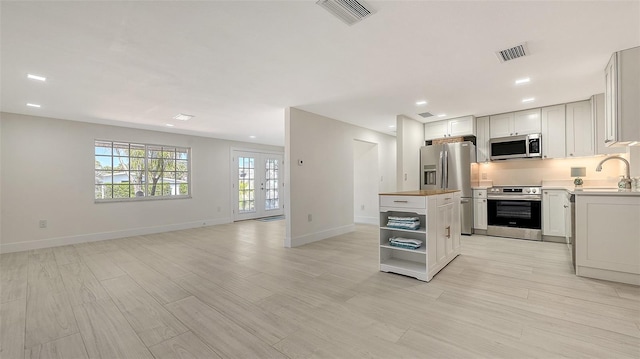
[[448, 166]]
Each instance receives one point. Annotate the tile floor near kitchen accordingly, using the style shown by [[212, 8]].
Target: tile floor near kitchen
[[233, 291]]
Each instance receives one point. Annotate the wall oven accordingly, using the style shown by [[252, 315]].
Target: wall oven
[[515, 212]]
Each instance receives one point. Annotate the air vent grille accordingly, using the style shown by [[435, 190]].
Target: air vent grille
[[349, 11], [513, 53], [426, 114]]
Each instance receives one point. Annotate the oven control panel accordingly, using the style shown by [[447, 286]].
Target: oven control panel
[[515, 190]]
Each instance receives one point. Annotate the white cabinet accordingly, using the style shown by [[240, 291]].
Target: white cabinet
[[480, 209], [580, 129], [622, 91], [439, 215], [608, 237], [482, 139], [554, 210], [553, 132], [597, 112], [515, 123], [455, 127]]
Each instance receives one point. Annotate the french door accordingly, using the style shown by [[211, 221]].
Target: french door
[[257, 185]]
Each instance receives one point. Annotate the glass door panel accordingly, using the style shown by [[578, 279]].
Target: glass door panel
[[257, 184]]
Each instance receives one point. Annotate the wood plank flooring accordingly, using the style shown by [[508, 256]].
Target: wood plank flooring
[[233, 291]]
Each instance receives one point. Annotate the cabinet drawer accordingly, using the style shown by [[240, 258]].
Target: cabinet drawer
[[479, 193], [444, 199], [403, 201]]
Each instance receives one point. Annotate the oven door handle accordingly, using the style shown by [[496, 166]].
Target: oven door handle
[[513, 198]]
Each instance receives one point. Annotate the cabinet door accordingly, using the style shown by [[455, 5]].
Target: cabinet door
[[444, 232], [462, 126], [580, 129], [553, 132], [610, 95], [437, 129], [526, 122], [597, 111], [553, 212], [480, 213], [482, 139], [501, 125]]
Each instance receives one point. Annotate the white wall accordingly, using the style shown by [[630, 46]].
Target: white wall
[[323, 186], [47, 173], [410, 137], [366, 182]]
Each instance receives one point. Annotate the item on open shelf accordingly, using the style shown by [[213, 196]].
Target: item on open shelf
[[405, 242], [403, 222]]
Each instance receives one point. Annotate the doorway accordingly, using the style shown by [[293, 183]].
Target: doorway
[[365, 182], [257, 184]]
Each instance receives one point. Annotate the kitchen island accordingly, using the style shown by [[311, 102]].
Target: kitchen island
[[608, 234], [419, 231]]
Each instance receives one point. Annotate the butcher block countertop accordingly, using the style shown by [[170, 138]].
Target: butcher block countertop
[[424, 193]]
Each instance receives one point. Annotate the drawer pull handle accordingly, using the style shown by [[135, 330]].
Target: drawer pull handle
[[448, 199], [400, 201]]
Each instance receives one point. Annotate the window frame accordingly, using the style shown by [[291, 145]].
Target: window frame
[[112, 156]]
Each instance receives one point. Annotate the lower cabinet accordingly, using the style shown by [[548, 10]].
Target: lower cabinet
[[439, 216], [480, 211], [608, 237], [554, 215]]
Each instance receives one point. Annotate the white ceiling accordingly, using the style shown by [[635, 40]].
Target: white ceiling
[[236, 65]]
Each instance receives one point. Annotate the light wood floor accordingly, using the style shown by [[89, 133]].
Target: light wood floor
[[232, 291]]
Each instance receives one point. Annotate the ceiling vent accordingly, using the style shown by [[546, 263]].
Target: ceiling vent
[[513, 53], [426, 114], [349, 11]]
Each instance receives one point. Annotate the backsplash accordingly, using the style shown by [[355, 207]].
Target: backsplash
[[535, 172]]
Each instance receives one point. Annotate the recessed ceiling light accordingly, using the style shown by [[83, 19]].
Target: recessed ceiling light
[[33, 105], [252, 136], [170, 125], [442, 115], [421, 102], [182, 117], [392, 126], [522, 81], [36, 77], [528, 99]]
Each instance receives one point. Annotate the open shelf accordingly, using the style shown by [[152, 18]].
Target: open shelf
[[419, 230], [422, 249]]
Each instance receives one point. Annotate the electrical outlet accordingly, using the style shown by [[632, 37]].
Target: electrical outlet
[[309, 218], [42, 223], [484, 176]]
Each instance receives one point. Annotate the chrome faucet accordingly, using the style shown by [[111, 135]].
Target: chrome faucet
[[627, 178]]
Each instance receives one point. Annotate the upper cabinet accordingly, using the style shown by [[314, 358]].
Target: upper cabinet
[[597, 112], [622, 91], [455, 127], [553, 132], [482, 139], [580, 129], [515, 123]]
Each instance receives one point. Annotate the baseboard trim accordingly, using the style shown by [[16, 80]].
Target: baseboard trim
[[100, 236], [318, 236], [367, 220]]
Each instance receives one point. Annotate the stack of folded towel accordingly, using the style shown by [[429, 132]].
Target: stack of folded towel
[[405, 243], [403, 222]]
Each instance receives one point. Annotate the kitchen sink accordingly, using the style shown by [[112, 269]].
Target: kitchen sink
[[607, 189]]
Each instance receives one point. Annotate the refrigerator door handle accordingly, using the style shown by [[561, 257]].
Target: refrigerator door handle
[[441, 169], [445, 170]]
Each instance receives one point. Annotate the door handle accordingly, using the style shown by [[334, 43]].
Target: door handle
[[448, 231]]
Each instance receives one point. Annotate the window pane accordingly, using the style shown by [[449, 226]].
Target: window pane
[[103, 177], [120, 149], [182, 153], [103, 162], [137, 151], [120, 162], [103, 191], [103, 148], [121, 190]]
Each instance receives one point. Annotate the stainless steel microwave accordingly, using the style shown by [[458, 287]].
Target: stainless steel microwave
[[522, 146]]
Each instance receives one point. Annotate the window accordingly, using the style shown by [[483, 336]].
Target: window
[[135, 171]]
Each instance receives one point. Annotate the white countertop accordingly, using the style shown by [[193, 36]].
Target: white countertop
[[595, 191]]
